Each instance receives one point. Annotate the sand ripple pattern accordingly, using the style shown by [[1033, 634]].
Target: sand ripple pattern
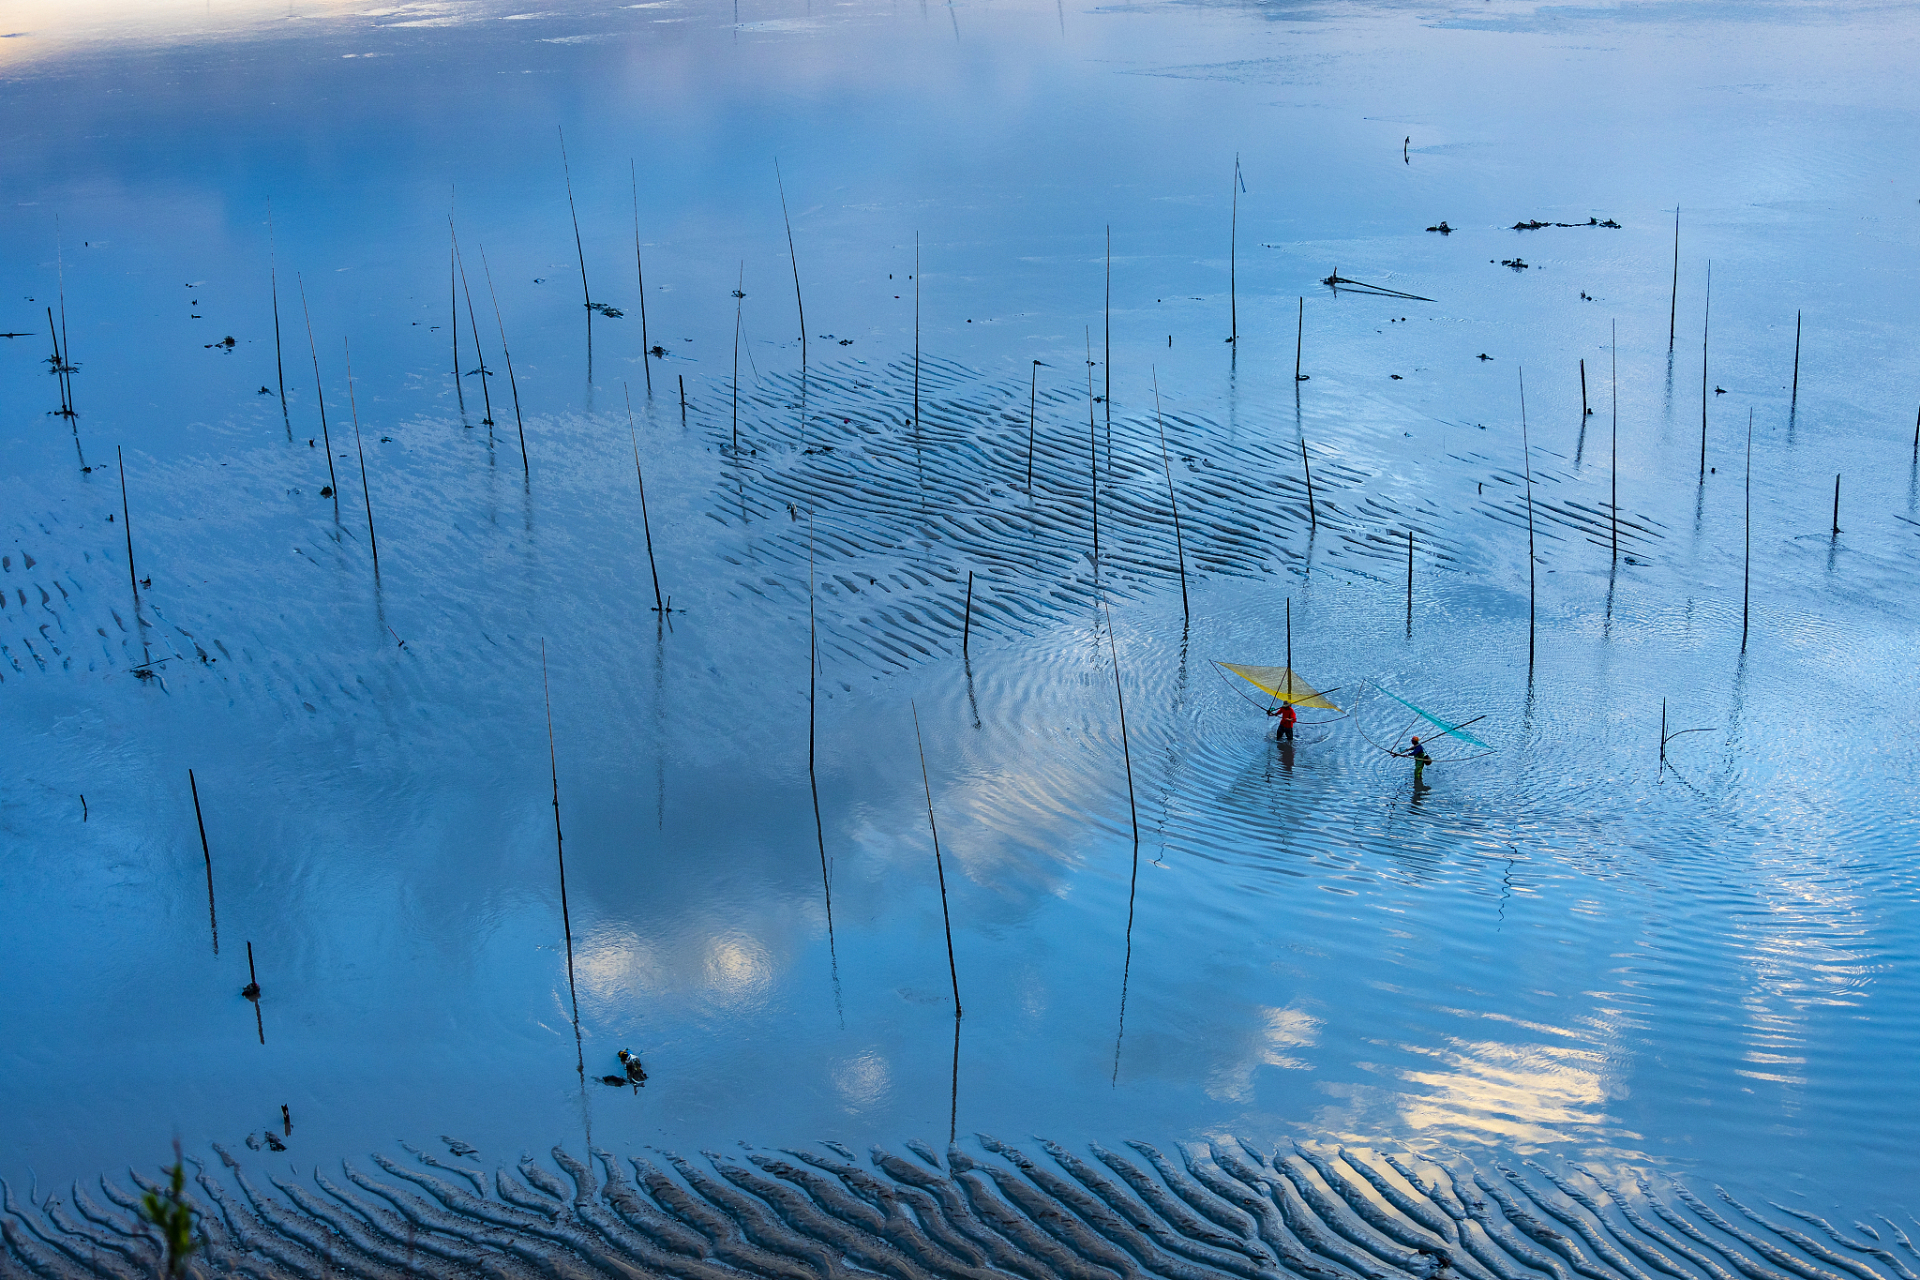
[[1220, 1209]]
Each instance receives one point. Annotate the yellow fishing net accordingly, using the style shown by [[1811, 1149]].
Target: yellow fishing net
[[1282, 683]]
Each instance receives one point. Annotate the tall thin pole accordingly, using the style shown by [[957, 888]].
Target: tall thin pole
[[966, 625], [273, 279], [1613, 464], [939, 868], [739, 301], [1173, 501], [1313, 519], [206, 852], [1705, 320], [559, 846], [1109, 351], [1409, 583], [1746, 571], [640, 275], [916, 333], [1033, 393], [794, 258], [1289, 648], [525, 466], [453, 314], [365, 494], [813, 781], [1093, 455], [126, 524], [1233, 258], [319, 394], [486, 396], [1299, 339], [646, 526], [1836, 506], [1673, 306], [1126, 752], [1527, 451], [1795, 404], [579, 248]]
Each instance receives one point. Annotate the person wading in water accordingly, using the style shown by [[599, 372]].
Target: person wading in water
[[1420, 761], [1287, 718]]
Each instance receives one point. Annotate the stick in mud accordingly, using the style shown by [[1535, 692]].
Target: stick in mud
[[1585, 412], [640, 275], [252, 993], [525, 466], [1409, 582], [646, 527], [1299, 339], [1173, 501], [559, 847], [813, 781], [938, 866], [1836, 506], [206, 852], [486, 396], [578, 248], [66, 375], [453, 315], [683, 399], [1313, 519], [1108, 358], [1673, 306], [916, 333], [1527, 453], [1233, 261], [59, 366], [792, 257], [126, 525], [273, 281], [1613, 464], [966, 625], [1705, 320], [739, 300], [1033, 392], [365, 494], [1093, 456], [320, 395], [1746, 570], [1126, 751], [1794, 405]]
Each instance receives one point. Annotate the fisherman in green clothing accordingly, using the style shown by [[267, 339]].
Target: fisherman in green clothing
[[1420, 761]]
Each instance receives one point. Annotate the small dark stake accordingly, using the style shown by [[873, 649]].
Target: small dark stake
[[1836, 506], [646, 527], [83, 808], [206, 852], [1613, 464], [646, 352], [1093, 456], [683, 398], [1126, 751], [1233, 261], [739, 300], [1409, 582], [453, 314], [1746, 570], [525, 466], [1033, 392], [486, 396], [1108, 358], [126, 525], [1916, 436], [1313, 518], [1795, 403], [966, 625], [352, 404], [1527, 453], [1705, 320], [938, 867], [578, 248], [1584, 411], [1673, 306], [1173, 501], [1299, 339], [320, 395], [1663, 733], [794, 258], [559, 850], [253, 994], [279, 365], [916, 334]]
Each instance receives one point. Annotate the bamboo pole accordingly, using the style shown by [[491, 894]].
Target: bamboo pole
[[321, 395], [579, 248], [559, 846], [126, 526], [1233, 259], [646, 526], [1613, 465], [365, 493], [939, 868], [966, 625], [206, 852], [646, 352], [794, 258], [1173, 501], [1527, 454], [525, 466], [1746, 571], [1706, 319], [1673, 306], [1795, 404], [1033, 392], [273, 280], [1126, 751]]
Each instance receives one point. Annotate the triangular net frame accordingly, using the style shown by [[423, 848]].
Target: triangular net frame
[[1283, 683]]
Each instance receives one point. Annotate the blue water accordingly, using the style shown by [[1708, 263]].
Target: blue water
[[1559, 948]]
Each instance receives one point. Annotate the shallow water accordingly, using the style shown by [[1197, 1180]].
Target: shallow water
[[1559, 949]]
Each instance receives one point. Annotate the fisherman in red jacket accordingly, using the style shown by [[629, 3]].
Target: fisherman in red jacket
[[1287, 718]]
